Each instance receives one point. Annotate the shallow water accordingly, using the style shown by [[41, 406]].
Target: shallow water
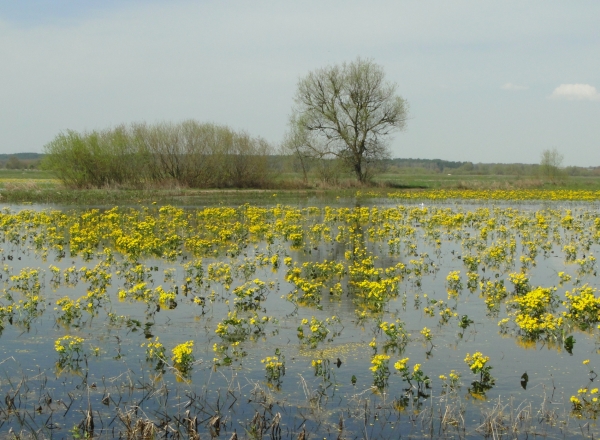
[[52, 398]]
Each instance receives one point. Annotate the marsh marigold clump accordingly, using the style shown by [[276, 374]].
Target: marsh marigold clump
[[69, 348], [183, 358]]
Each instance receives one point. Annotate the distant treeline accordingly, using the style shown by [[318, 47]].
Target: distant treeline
[[418, 166], [20, 161], [203, 155], [191, 154]]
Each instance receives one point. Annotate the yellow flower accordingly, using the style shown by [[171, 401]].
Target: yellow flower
[[401, 364], [379, 362], [183, 356], [426, 333]]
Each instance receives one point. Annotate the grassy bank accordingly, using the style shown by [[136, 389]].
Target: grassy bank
[[36, 186]]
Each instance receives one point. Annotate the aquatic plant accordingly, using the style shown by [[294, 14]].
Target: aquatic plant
[[316, 331], [274, 366], [155, 351], [380, 369], [415, 375], [183, 357], [396, 336], [69, 349], [583, 306], [451, 382], [321, 367], [533, 313], [453, 284], [478, 364]]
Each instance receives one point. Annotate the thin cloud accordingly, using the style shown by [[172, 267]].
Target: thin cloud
[[513, 87], [576, 92]]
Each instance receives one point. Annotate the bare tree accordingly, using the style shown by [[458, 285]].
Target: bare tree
[[349, 112], [302, 144]]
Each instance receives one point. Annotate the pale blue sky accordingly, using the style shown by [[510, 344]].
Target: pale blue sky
[[487, 81]]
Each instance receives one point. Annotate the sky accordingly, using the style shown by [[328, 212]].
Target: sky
[[486, 81]]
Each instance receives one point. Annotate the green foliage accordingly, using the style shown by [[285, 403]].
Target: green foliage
[[188, 154], [551, 165], [274, 367], [95, 159]]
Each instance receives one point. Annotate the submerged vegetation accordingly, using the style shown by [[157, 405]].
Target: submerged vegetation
[[284, 321]]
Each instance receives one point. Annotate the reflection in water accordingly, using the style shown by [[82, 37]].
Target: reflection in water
[[290, 313]]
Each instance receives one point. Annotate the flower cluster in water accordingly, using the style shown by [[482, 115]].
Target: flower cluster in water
[[370, 257]]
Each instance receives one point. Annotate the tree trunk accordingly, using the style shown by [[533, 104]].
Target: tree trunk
[[358, 170]]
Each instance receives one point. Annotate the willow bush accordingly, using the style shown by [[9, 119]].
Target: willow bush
[[190, 154]]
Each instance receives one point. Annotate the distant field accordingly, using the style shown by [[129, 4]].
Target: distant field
[[27, 180], [25, 175], [484, 181]]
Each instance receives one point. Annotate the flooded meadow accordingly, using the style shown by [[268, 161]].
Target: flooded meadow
[[376, 318]]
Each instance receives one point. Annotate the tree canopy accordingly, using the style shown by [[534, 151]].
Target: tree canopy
[[346, 111], [189, 154], [550, 165]]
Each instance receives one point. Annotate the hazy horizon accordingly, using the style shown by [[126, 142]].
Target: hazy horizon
[[494, 82]]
